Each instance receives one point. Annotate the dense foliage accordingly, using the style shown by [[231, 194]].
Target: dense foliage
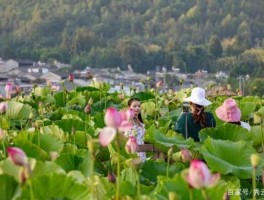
[[190, 34], [60, 156]]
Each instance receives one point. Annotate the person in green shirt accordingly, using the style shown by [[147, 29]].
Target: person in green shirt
[[190, 123]]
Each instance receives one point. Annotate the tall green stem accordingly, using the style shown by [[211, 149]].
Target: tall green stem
[[204, 195], [31, 191], [118, 171], [4, 150], [254, 182]]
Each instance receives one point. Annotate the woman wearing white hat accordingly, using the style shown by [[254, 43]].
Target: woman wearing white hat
[[189, 124]]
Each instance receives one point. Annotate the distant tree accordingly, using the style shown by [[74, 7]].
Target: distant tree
[[256, 87], [215, 46], [131, 53]]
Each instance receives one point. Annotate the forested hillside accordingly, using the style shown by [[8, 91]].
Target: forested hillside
[[189, 34]]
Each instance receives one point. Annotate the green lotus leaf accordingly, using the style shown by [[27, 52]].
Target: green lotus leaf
[[70, 116], [246, 109], [80, 139], [46, 168], [69, 125], [78, 100], [86, 88], [163, 142], [40, 142], [8, 187], [130, 175], [53, 130], [228, 157], [148, 108], [260, 112], [99, 120], [152, 169], [144, 96], [4, 122], [49, 99], [55, 186], [257, 135], [48, 142], [80, 161], [42, 91], [77, 175], [32, 150], [7, 167], [16, 110], [226, 131], [60, 98]]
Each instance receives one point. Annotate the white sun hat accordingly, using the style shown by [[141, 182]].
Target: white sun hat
[[198, 97]]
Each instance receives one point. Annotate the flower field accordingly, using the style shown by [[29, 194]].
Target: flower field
[[52, 148]]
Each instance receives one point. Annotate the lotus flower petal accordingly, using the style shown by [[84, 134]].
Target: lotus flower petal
[[107, 135], [125, 126], [112, 118]]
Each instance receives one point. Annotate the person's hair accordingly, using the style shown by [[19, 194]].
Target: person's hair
[[237, 123], [129, 104], [199, 114]]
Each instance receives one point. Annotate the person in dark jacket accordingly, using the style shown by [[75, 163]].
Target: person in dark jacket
[[190, 123]]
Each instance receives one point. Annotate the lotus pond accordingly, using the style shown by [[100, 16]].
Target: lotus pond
[[58, 135]]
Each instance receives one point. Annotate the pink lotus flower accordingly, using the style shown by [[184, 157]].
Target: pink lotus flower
[[17, 156], [8, 90], [115, 121], [199, 176], [3, 107], [71, 78], [9, 87], [131, 145]]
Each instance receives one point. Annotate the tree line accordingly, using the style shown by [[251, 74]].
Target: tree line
[[211, 35]]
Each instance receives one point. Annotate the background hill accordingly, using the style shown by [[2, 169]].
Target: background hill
[[211, 35]]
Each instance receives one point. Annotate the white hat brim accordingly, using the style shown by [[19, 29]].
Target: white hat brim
[[201, 102]]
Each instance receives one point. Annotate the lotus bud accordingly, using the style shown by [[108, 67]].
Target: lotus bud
[[111, 177], [54, 155], [121, 96], [87, 108], [90, 101], [172, 196], [199, 176], [186, 155], [71, 77], [170, 152], [159, 84], [3, 107], [176, 156], [9, 87], [255, 158], [90, 146], [17, 156]]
